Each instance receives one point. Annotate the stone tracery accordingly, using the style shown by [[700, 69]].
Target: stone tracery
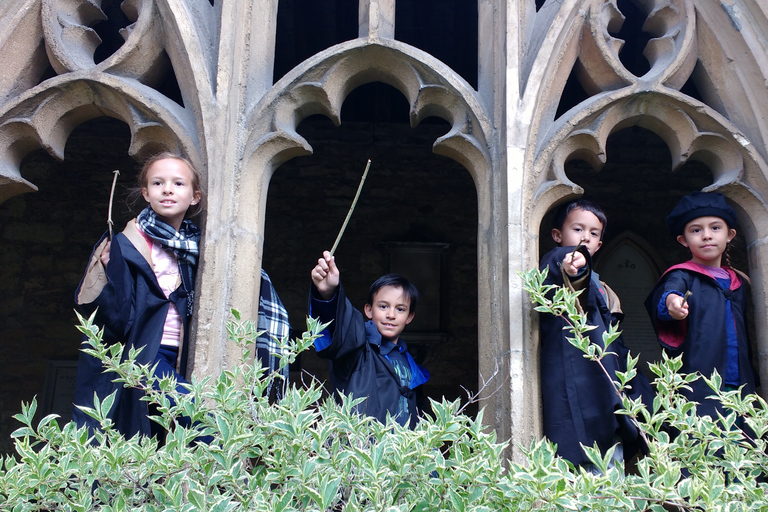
[[692, 130], [238, 127], [320, 88], [119, 86]]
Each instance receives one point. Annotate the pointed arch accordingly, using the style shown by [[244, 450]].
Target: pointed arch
[[121, 86], [692, 131], [319, 86], [632, 265]]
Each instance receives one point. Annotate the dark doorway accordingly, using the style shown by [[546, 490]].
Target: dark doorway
[[411, 196]]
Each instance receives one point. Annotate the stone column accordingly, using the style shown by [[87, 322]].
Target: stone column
[[377, 19], [229, 274]]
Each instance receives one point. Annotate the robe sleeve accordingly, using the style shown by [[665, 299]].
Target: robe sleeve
[[613, 302], [346, 340], [670, 333], [108, 291]]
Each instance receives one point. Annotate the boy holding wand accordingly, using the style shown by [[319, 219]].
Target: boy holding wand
[[578, 399], [368, 358]]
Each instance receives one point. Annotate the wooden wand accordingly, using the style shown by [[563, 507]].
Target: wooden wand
[[111, 197], [351, 208], [575, 249]]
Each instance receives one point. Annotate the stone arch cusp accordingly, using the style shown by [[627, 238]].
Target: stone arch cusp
[[44, 118], [719, 155], [321, 84], [690, 130]]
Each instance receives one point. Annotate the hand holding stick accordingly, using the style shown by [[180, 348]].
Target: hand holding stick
[[576, 249], [352, 208], [111, 197]]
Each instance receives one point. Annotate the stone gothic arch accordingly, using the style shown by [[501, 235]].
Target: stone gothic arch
[[683, 49], [319, 86]]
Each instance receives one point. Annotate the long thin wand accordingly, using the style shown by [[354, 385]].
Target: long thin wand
[[111, 197], [351, 208]]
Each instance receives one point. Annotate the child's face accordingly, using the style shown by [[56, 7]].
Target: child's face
[[390, 312], [580, 226], [170, 190], [707, 237]]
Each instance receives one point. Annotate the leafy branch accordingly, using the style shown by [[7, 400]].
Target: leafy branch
[[561, 302], [308, 453]]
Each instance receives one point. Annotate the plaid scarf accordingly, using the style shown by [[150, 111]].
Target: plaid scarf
[[184, 243], [274, 326]]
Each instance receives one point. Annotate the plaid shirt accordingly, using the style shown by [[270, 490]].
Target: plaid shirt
[[274, 325]]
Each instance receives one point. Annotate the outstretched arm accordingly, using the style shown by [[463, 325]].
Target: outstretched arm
[[345, 336]]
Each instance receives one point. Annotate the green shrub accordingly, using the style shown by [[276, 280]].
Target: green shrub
[[308, 453]]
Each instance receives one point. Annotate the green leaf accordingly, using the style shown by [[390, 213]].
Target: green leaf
[[223, 504], [422, 506], [197, 498]]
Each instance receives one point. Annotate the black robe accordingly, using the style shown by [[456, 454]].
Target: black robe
[[357, 365], [132, 309], [702, 337], [578, 399]]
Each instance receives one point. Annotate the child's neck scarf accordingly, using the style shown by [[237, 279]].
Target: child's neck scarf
[[184, 242]]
